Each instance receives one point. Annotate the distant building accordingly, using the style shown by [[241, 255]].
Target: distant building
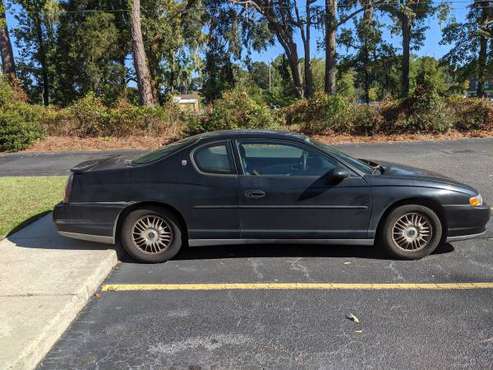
[[473, 86], [189, 102]]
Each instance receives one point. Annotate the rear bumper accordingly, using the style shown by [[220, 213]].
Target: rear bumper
[[466, 222], [90, 238], [88, 221]]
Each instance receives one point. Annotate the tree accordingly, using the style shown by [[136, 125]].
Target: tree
[[409, 17], [330, 46], [36, 38], [172, 37], [305, 26], [364, 49], [470, 53], [91, 44], [334, 18], [139, 55], [280, 17], [8, 61]]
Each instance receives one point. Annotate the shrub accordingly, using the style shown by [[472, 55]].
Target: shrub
[[6, 92], [423, 111], [338, 114], [16, 133], [18, 120], [471, 113], [90, 117], [236, 109]]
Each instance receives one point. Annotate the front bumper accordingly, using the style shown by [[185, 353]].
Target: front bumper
[[466, 222]]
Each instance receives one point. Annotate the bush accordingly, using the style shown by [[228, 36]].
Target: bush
[[338, 114], [90, 117], [471, 113], [18, 120], [235, 110], [16, 133]]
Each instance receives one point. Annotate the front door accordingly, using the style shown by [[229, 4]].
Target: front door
[[284, 193], [214, 194]]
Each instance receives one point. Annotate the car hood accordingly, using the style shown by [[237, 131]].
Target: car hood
[[402, 171]]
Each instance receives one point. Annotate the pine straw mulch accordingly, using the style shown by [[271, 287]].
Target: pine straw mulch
[[67, 143]]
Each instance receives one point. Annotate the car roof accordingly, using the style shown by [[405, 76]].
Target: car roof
[[231, 134]]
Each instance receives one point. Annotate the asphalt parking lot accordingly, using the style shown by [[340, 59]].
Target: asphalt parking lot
[[410, 314]]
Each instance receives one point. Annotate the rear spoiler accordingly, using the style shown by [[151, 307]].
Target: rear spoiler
[[87, 165]]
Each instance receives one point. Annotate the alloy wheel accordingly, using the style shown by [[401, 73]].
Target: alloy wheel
[[412, 231], [152, 234]]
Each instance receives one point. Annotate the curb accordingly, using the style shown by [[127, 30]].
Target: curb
[[33, 354]]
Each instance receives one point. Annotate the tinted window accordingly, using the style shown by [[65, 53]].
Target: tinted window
[[264, 159], [213, 159]]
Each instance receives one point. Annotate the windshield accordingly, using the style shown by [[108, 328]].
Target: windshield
[[163, 152], [360, 165]]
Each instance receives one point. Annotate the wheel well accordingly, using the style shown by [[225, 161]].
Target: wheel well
[[427, 202], [127, 210]]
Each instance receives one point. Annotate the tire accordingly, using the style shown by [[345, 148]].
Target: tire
[[151, 235], [411, 232]]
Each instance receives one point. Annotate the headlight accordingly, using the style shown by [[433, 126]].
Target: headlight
[[476, 201]]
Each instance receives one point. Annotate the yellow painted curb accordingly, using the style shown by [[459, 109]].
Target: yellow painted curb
[[296, 286]]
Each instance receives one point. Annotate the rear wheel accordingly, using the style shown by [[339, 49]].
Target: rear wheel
[[151, 235], [411, 232]]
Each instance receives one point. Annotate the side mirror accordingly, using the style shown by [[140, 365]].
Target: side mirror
[[337, 174]]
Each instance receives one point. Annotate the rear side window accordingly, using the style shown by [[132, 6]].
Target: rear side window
[[163, 152], [214, 159]]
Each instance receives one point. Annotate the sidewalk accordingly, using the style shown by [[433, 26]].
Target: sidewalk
[[45, 280]]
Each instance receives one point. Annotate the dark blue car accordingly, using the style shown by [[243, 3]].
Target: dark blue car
[[237, 187]]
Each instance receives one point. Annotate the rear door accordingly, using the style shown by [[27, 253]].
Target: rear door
[[284, 193]]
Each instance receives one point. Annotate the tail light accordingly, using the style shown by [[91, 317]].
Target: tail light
[[68, 188]]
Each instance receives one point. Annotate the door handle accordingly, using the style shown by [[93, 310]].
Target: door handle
[[254, 194]]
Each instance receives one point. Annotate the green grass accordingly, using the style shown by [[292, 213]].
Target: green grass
[[22, 198]]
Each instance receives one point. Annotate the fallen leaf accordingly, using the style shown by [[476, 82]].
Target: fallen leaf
[[352, 317]]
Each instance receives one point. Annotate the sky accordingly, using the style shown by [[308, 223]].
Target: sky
[[431, 46]]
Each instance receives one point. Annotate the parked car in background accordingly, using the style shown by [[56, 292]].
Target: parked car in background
[[238, 187]]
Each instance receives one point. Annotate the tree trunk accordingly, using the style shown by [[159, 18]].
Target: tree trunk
[[309, 88], [330, 46], [139, 55], [481, 66], [406, 54], [367, 24], [42, 59], [8, 62], [293, 62]]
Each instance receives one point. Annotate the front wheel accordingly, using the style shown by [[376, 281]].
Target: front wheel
[[411, 232], [151, 235]]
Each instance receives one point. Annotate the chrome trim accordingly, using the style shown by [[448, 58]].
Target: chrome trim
[[123, 203], [464, 237], [87, 237], [267, 206], [205, 242]]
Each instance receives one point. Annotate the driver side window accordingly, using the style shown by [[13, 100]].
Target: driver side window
[[276, 159]]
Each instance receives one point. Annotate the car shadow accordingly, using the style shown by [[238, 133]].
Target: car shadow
[[278, 250], [42, 234]]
